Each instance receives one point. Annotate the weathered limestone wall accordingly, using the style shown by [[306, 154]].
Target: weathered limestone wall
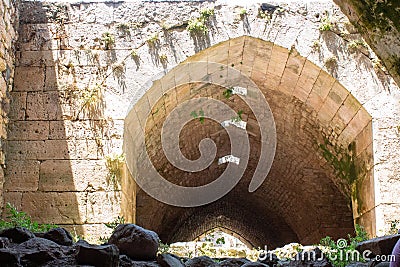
[[81, 67], [379, 23], [8, 36]]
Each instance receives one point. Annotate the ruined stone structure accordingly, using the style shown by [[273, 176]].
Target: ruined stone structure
[[8, 38], [90, 78]]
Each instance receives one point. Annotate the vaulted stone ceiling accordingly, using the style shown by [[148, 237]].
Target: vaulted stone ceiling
[[301, 200]]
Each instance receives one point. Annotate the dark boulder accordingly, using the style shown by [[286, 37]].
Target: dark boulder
[[381, 264], [358, 264], [169, 260], [233, 262], [379, 245], [135, 242], [4, 242], [125, 261], [17, 234], [313, 258], [38, 251], [58, 235], [255, 264], [68, 261], [8, 258], [99, 256], [269, 259], [202, 261]]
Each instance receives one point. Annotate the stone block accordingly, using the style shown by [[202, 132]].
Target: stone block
[[28, 79], [277, 63], [43, 106], [53, 149], [272, 82], [73, 175], [38, 58], [364, 139], [356, 125], [103, 206], [321, 88], [28, 130], [291, 73], [60, 208], [22, 175], [219, 56], [348, 110], [18, 105], [86, 129], [306, 81], [13, 198], [51, 79]]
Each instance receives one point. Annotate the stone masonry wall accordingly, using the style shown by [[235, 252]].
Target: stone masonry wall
[[8, 36], [82, 66]]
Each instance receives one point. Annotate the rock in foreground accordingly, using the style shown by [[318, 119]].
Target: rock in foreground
[[135, 241]]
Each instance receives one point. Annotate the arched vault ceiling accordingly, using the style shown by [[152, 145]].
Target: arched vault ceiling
[[301, 198]]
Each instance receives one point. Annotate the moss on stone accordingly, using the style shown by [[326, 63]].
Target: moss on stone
[[396, 64], [378, 15], [346, 167]]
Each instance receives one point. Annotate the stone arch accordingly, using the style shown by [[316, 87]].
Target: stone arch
[[302, 199], [226, 231]]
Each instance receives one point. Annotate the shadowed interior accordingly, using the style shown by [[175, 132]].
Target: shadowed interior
[[302, 200]]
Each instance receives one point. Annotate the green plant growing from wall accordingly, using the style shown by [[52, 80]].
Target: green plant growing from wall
[[117, 221], [134, 54], [378, 66], [124, 28], [339, 251], [114, 164], [153, 39], [112, 225], [228, 92], [207, 13], [394, 227], [238, 117], [357, 45], [243, 13], [220, 240], [331, 63], [199, 25], [199, 116], [264, 15], [316, 45], [163, 248], [92, 56], [17, 218], [92, 100], [108, 39], [136, 58], [326, 23], [118, 70], [163, 59], [75, 236]]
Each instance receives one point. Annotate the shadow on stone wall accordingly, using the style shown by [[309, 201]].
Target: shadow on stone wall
[[39, 178]]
